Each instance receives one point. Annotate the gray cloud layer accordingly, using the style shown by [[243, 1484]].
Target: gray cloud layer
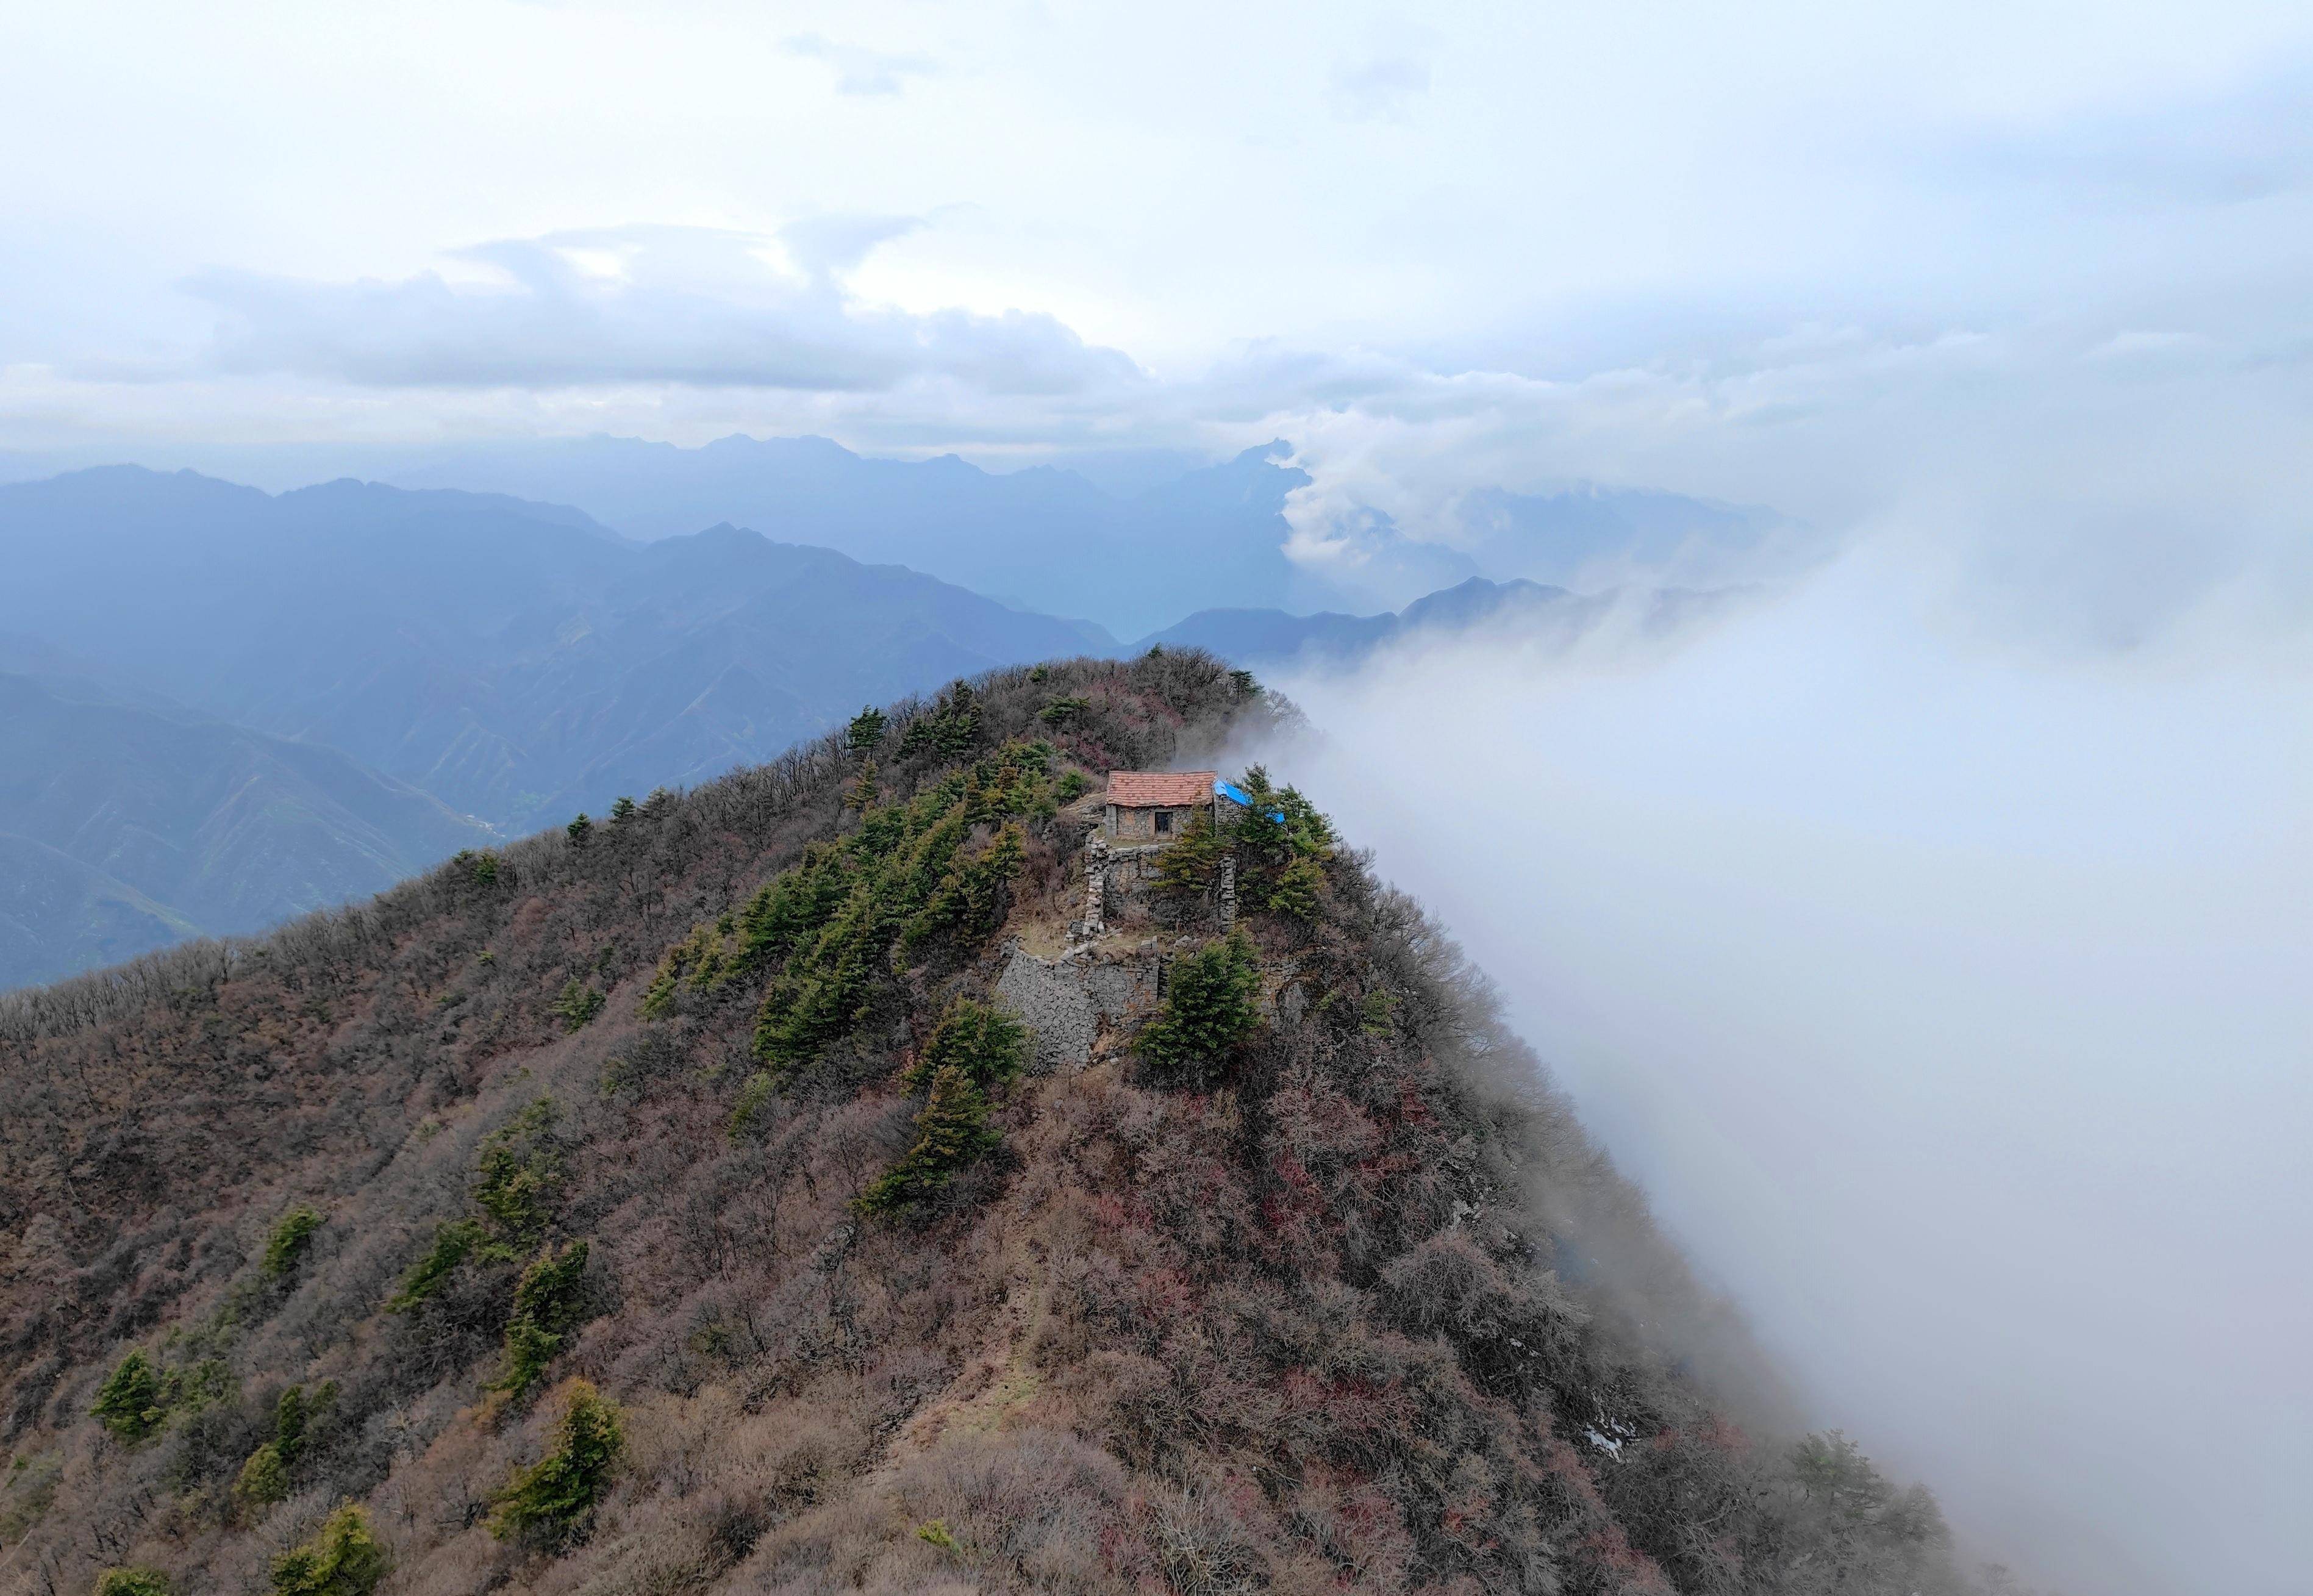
[[667, 306]]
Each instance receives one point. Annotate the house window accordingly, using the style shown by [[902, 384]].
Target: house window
[[1164, 821]]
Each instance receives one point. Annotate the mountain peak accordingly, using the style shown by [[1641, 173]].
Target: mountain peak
[[791, 1176]]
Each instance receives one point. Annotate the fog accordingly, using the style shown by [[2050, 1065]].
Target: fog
[[1948, 994]]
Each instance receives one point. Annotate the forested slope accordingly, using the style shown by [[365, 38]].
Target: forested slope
[[663, 1206]]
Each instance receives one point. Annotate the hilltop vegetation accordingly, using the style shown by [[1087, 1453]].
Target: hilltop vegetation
[[666, 1204]]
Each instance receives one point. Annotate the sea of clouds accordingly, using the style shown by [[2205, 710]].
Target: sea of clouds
[[1944, 984]]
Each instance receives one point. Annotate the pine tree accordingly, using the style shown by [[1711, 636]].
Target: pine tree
[[578, 1004], [983, 1041], [131, 1402], [549, 1302], [264, 1478], [289, 1419], [346, 1558], [1208, 1011], [453, 1241], [132, 1582], [1189, 868], [286, 1247], [952, 1131], [550, 1503]]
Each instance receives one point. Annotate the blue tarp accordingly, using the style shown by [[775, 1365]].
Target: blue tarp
[[1244, 799]]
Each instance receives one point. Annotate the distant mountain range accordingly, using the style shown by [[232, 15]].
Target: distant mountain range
[[1050, 540], [1134, 554], [1042, 539], [517, 661], [127, 822], [1273, 640], [223, 706]]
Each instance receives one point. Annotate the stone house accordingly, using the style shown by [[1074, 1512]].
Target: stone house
[[1153, 807]]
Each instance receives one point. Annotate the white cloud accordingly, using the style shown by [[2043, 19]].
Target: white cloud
[[655, 306], [860, 71], [1948, 1001], [1379, 88]]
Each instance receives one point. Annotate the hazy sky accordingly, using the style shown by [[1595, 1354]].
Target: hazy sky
[[1929, 943], [1827, 258]]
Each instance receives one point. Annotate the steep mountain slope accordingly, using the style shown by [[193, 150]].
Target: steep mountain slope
[[514, 660], [664, 1206], [58, 915], [130, 822]]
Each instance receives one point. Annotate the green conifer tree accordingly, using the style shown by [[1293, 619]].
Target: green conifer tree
[[290, 1416], [264, 1478], [286, 1248], [131, 1403], [132, 1582], [550, 1503], [549, 1302], [345, 1558], [453, 1241], [952, 1131], [1210, 1009], [983, 1041]]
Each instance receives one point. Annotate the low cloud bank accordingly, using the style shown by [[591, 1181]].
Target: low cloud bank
[[1947, 995]]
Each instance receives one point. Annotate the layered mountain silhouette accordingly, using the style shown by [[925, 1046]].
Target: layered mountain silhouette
[[127, 822], [1050, 540], [513, 659], [1528, 612], [1043, 538], [1135, 552]]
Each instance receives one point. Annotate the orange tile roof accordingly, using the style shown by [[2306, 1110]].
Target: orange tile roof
[[1157, 789]]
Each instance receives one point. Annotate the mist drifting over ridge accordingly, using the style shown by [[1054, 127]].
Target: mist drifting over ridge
[[1944, 989], [1923, 934]]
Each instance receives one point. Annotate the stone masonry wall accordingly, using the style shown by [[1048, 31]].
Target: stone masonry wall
[[1066, 1001]]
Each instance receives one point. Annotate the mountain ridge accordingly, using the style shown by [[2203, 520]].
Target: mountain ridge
[[1045, 535], [686, 1162]]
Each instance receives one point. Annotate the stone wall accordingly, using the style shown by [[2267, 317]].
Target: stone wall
[[1139, 825], [1066, 1003], [1118, 874]]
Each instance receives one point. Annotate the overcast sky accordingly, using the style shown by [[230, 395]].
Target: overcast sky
[[1830, 259], [2015, 297]]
